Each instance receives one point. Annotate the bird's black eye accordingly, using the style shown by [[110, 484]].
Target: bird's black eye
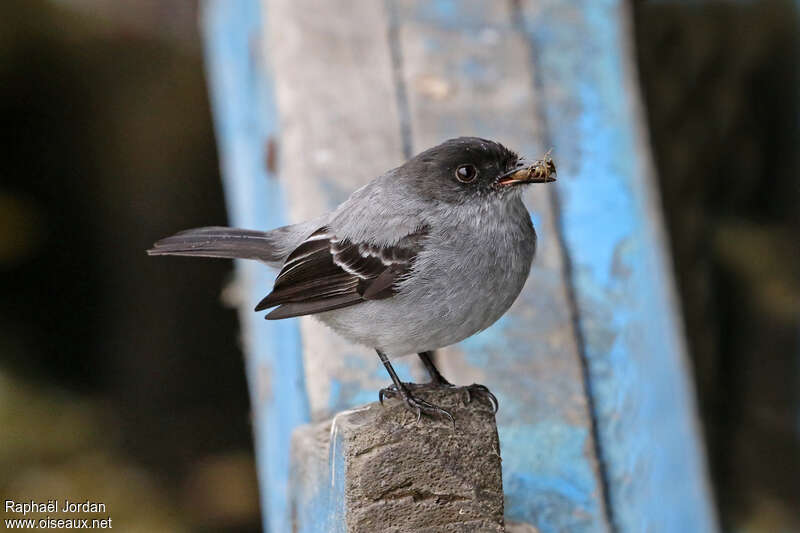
[[466, 173]]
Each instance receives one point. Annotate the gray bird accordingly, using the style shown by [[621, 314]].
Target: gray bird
[[419, 258]]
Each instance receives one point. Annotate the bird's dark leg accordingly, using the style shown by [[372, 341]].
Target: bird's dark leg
[[439, 380], [416, 405], [436, 376]]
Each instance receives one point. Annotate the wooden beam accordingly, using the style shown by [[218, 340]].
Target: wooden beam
[[246, 122], [467, 70], [340, 128], [597, 422], [611, 225]]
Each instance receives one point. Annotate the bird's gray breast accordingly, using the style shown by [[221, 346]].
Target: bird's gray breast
[[473, 266], [472, 273]]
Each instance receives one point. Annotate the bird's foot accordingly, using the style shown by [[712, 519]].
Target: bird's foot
[[477, 390], [469, 392], [414, 404]]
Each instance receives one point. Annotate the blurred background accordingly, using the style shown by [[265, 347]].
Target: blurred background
[[120, 376]]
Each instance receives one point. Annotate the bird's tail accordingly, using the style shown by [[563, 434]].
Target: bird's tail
[[266, 246]]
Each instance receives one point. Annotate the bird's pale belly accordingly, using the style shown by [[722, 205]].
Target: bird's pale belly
[[448, 301]]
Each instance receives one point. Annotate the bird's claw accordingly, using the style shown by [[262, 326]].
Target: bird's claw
[[469, 392], [416, 405], [421, 406], [480, 391], [388, 392]]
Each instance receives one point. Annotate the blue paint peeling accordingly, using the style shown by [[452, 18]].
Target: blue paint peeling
[[548, 474], [537, 223], [642, 396], [477, 71], [432, 44], [245, 118], [337, 509], [544, 466], [445, 9], [318, 502], [347, 394], [450, 14]]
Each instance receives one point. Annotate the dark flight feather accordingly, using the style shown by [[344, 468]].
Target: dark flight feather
[[325, 273], [292, 309]]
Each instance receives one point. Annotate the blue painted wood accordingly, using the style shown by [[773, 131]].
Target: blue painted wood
[[336, 99], [317, 482], [467, 71], [638, 385], [245, 120], [612, 229]]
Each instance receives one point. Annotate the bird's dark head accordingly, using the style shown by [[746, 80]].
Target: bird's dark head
[[466, 168]]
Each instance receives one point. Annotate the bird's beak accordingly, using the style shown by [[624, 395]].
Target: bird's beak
[[540, 171]]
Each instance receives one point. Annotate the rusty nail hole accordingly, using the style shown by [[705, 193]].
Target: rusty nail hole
[[271, 159]]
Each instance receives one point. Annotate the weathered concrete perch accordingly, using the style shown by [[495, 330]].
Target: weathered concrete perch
[[376, 469]]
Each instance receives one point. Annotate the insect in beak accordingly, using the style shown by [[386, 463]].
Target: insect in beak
[[540, 171]]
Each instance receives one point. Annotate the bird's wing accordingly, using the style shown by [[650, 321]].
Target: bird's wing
[[326, 272]]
